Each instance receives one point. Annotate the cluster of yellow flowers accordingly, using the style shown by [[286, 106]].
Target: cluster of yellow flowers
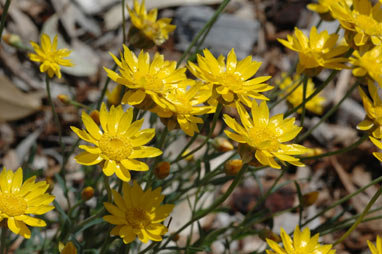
[[163, 88]]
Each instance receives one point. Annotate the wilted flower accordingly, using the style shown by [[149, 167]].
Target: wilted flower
[[162, 169], [301, 243], [119, 143], [265, 136], [232, 167], [87, 193], [19, 200], [231, 81], [138, 213], [316, 52], [49, 56]]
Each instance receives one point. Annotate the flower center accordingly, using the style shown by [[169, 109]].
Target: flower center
[[369, 25], [263, 138], [137, 218], [232, 81], [12, 205], [151, 83], [115, 147]]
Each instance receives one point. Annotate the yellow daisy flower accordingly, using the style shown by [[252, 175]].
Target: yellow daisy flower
[[231, 80], [264, 136], [377, 143], [314, 105], [377, 248], [182, 106], [301, 243], [369, 63], [69, 248], [316, 52], [50, 57], [146, 80], [362, 21], [373, 108], [119, 143], [138, 213], [19, 200], [322, 7], [156, 30]]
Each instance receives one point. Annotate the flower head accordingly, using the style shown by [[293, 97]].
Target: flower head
[[316, 52], [377, 248], [138, 213], [182, 105], [231, 80], [323, 7], [294, 89], [369, 63], [373, 108], [265, 136], [377, 155], [362, 21], [146, 80], [119, 143], [301, 243], [155, 30], [50, 57], [19, 200]]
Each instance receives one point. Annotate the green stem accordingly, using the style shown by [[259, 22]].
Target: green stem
[[148, 248], [204, 29], [79, 105], [3, 240], [107, 187], [55, 115], [123, 22], [3, 17], [305, 84], [217, 203], [327, 115], [104, 89], [342, 200], [89, 219], [359, 220], [340, 151]]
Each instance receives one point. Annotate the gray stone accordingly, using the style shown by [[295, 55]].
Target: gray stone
[[228, 32]]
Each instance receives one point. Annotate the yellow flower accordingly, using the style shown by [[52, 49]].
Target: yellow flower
[[182, 106], [377, 155], [18, 199], [50, 57], [231, 80], [146, 80], [369, 63], [377, 249], [156, 30], [119, 143], [69, 248], [323, 7], [265, 135], [314, 105], [114, 96], [301, 243], [362, 21], [138, 213], [373, 108], [316, 52]]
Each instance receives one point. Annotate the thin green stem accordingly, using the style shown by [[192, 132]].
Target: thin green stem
[[55, 115], [124, 22], [342, 200], [152, 245], [304, 87], [3, 17], [327, 115], [107, 187], [216, 204], [360, 218], [203, 30], [79, 105], [3, 240], [89, 219], [104, 89]]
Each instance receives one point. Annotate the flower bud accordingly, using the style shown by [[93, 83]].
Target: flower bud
[[95, 116], [162, 169], [310, 198], [232, 167], [268, 234], [69, 248], [87, 193], [12, 39], [189, 157], [114, 97], [222, 144], [63, 98]]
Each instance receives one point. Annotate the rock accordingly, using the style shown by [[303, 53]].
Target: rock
[[228, 32], [351, 112]]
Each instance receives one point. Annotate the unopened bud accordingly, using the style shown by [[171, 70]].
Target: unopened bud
[[87, 193], [63, 98], [222, 144], [232, 167], [313, 152], [309, 198], [12, 39], [188, 157], [268, 234], [95, 116], [162, 169], [69, 248], [114, 97]]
